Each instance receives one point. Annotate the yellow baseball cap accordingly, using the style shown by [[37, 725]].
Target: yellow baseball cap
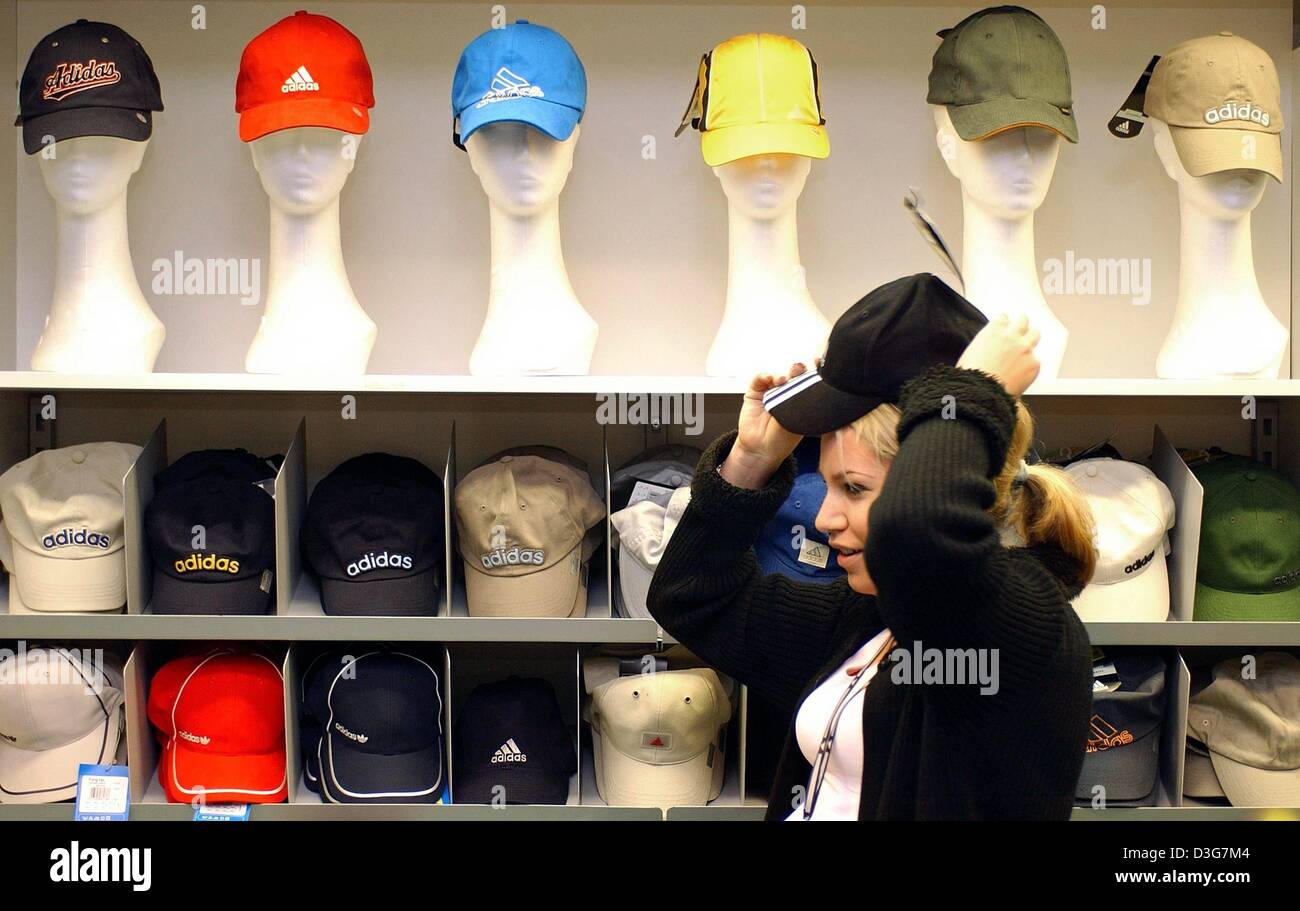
[[757, 95]]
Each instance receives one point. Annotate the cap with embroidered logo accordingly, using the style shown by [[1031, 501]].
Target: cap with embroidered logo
[[61, 536], [1222, 100], [1128, 710], [757, 95], [87, 79], [999, 69], [522, 73], [304, 71], [790, 543]]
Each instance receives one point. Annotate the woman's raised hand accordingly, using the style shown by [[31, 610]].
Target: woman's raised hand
[[762, 444], [1004, 349]]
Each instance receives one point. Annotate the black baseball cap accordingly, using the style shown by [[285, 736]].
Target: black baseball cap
[[511, 733], [1128, 711], [374, 534], [377, 719], [881, 342], [87, 79], [221, 490]]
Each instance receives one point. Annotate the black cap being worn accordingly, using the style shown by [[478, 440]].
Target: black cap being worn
[[374, 535], [87, 79], [377, 721], [1128, 710], [881, 342], [228, 566], [511, 734]]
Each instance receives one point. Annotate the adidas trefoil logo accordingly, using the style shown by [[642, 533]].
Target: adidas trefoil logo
[[202, 739], [509, 752], [509, 85], [359, 738], [300, 81]]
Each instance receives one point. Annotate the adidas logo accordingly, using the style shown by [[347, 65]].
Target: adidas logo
[[1122, 127], [506, 84], [509, 752], [1138, 564], [300, 81], [194, 738], [1233, 110], [359, 738]]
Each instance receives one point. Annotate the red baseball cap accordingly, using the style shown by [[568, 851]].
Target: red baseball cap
[[220, 719], [304, 71]]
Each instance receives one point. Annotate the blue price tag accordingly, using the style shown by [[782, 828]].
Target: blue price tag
[[222, 812], [103, 793]]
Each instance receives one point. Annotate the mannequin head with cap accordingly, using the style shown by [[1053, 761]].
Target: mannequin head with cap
[[522, 170], [303, 170], [86, 174]]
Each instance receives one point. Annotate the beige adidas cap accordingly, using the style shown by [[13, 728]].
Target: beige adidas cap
[[1221, 98], [1251, 728], [659, 739], [62, 527], [527, 526]]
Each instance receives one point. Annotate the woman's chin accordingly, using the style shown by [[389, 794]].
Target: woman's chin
[[861, 583]]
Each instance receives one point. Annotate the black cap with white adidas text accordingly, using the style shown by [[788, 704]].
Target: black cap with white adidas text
[[511, 734], [374, 535], [881, 342]]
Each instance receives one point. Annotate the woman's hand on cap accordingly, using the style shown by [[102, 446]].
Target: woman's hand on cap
[[762, 444], [1004, 349]]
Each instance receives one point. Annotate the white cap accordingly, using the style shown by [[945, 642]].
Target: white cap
[[62, 534], [1133, 512], [659, 738], [644, 530], [59, 708]]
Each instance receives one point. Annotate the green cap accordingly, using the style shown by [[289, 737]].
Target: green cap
[[1249, 565], [999, 69]]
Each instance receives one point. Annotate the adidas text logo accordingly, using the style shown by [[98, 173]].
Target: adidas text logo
[[359, 738], [206, 563], [300, 81], [1287, 578], [71, 78], [509, 752], [1138, 564], [514, 556], [384, 560], [69, 537], [1232, 110], [194, 738], [508, 85]]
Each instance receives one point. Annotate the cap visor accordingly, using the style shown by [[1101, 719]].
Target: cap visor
[[122, 123], [187, 774], [48, 776], [1127, 772], [628, 782], [257, 122], [349, 775], [731, 143], [986, 119], [555, 120], [410, 596], [1199, 778], [811, 406], [50, 584], [1141, 598], [1209, 151], [1247, 786], [519, 784], [1214, 604], [176, 596], [634, 584], [550, 592]]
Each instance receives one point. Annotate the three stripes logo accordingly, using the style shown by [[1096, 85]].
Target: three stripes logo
[[505, 85], [300, 81], [509, 752], [1105, 735]]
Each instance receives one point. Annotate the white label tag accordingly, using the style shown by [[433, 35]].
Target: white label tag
[[814, 554], [103, 793], [1101, 670], [644, 490], [267, 576]]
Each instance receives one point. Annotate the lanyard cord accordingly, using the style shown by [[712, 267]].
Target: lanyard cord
[[823, 761]]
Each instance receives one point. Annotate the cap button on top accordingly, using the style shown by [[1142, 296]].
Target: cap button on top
[[1091, 471], [506, 458], [1226, 34], [78, 457], [1250, 476]]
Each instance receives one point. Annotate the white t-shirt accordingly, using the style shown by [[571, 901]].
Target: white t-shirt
[[842, 786]]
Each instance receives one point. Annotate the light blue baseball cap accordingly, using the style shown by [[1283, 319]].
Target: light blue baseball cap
[[523, 73]]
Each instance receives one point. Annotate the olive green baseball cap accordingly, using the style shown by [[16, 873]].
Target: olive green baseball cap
[[1000, 69], [1249, 563]]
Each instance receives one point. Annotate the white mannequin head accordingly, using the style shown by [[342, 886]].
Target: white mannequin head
[[303, 169], [522, 169], [89, 172], [1007, 174], [764, 186], [1226, 195]]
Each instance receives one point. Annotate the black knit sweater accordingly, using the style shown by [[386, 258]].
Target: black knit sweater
[[945, 580]]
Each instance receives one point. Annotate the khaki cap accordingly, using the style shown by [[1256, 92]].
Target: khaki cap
[[527, 526], [1222, 101]]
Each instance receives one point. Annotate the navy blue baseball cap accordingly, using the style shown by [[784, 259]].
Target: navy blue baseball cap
[[790, 543], [1128, 711], [511, 734], [523, 73], [374, 727]]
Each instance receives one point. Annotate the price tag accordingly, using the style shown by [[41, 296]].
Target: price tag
[[221, 812], [103, 793], [655, 493]]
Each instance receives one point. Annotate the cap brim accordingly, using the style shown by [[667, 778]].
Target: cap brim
[[551, 592], [349, 775], [728, 144], [986, 119], [54, 585], [187, 774], [1199, 778], [177, 596], [1127, 772], [1214, 604], [1141, 598], [1247, 786], [410, 596], [520, 784], [634, 584], [48, 776], [811, 406], [1209, 151], [555, 120], [626, 782], [121, 123], [329, 113]]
